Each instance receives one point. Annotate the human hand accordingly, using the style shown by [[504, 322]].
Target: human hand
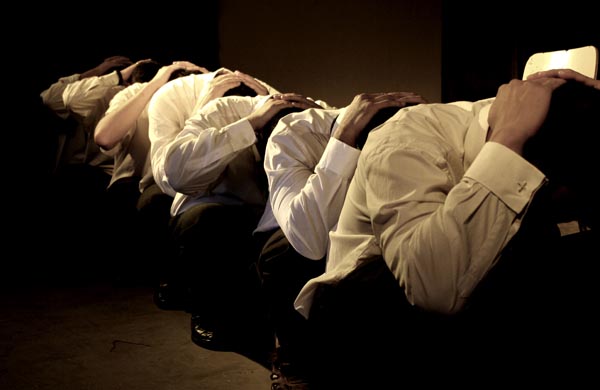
[[189, 66], [259, 118], [114, 62], [252, 83], [520, 109], [128, 71], [566, 74], [220, 84], [364, 107], [164, 73]]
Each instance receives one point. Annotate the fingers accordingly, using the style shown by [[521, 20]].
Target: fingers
[[549, 82], [190, 66], [565, 74], [252, 83], [296, 100], [398, 99], [376, 101]]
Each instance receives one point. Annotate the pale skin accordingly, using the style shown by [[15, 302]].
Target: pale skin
[[111, 129], [521, 107], [566, 74], [364, 107]]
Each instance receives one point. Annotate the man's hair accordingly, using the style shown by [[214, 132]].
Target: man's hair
[[268, 128], [182, 72], [240, 90], [564, 147], [144, 71]]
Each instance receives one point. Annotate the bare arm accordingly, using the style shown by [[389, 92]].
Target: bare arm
[[259, 118], [115, 125]]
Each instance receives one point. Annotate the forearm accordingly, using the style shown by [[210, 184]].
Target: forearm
[[116, 124]]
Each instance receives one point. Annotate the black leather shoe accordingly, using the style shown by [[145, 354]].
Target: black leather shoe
[[169, 296], [209, 338]]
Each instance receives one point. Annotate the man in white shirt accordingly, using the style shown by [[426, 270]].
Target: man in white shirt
[[309, 162], [214, 167], [438, 193], [168, 111], [122, 133], [82, 172], [87, 100]]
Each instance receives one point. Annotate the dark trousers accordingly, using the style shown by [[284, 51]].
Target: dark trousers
[[533, 317], [215, 258], [123, 238], [365, 334], [75, 223], [156, 246], [283, 272]]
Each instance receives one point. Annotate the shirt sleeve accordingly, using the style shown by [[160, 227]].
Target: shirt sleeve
[[53, 96], [308, 180], [196, 158], [440, 234], [166, 118], [81, 96]]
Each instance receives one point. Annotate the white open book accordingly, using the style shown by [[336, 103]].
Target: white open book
[[582, 59]]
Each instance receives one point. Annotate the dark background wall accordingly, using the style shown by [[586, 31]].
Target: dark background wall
[[332, 49], [65, 39], [486, 45], [329, 49]]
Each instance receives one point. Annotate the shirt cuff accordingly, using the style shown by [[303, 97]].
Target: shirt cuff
[[340, 158], [509, 176]]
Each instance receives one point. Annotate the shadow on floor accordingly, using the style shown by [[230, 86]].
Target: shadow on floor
[[101, 336]]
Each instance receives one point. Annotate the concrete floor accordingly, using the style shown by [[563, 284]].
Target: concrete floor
[[100, 336]]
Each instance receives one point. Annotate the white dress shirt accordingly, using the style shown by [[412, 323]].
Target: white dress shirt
[[309, 173], [435, 201], [214, 157], [52, 97], [131, 154], [169, 108], [87, 100]]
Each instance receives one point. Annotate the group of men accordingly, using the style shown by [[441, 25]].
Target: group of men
[[391, 225]]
